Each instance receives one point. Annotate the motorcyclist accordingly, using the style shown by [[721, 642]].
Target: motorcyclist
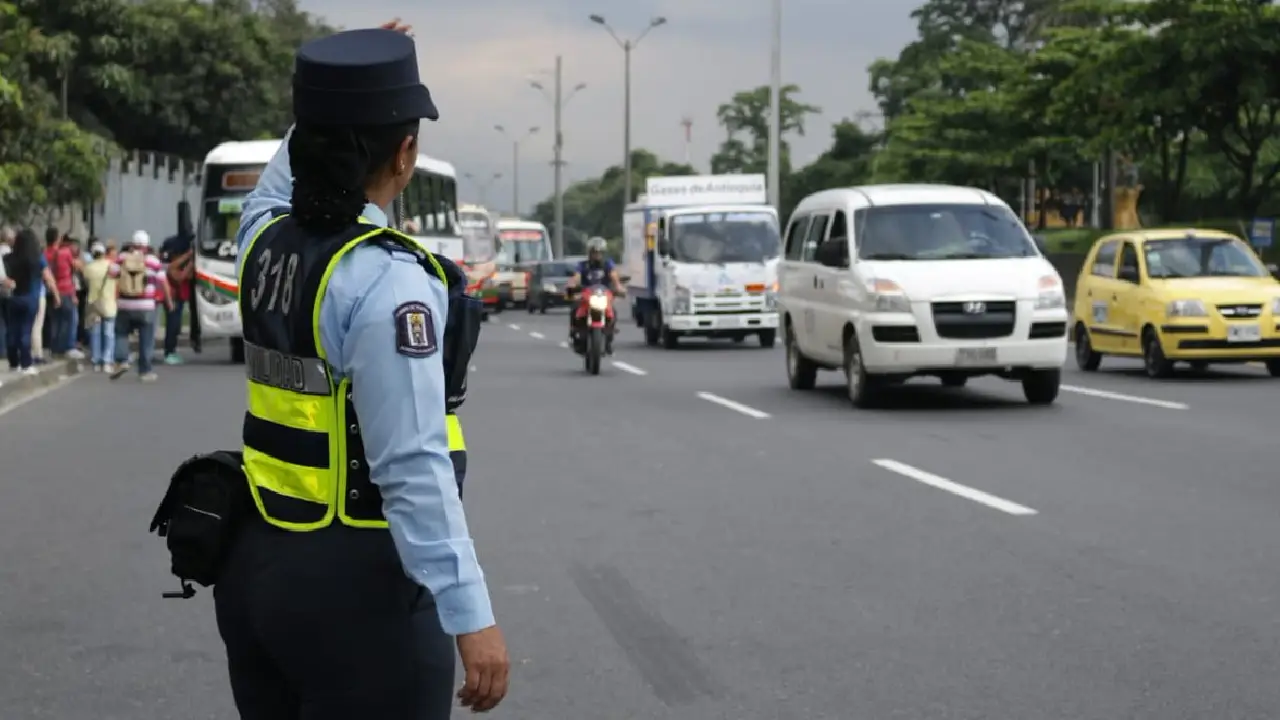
[[595, 270]]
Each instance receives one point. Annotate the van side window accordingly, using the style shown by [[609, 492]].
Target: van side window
[[795, 236], [817, 232], [1104, 264], [839, 226]]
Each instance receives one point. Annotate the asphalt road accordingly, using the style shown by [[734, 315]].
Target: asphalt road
[[684, 537]]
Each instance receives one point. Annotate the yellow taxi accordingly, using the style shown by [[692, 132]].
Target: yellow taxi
[[1180, 295]]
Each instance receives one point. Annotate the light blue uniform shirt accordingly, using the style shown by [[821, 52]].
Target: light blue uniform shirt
[[400, 403]]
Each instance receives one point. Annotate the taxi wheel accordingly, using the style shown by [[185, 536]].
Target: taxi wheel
[[801, 374], [954, 381], [1199, 366], [1087, 359], [1153, 359], [1273, 368]]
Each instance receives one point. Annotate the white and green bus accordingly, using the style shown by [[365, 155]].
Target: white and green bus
[[428, 209]]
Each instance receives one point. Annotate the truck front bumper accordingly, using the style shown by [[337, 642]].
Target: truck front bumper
[[722, 323]]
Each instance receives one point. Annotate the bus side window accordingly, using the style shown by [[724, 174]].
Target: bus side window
[[432, 187], [413, 201], [449, 204]]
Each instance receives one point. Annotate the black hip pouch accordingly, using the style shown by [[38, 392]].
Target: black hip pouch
[[207, 500], [461, 334]]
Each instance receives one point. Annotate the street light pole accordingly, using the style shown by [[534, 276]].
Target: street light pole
[[559, 100], [627, 46], [483, 185], [775, 110], [515, 165]]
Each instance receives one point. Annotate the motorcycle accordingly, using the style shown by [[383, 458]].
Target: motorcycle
[[594, 316]]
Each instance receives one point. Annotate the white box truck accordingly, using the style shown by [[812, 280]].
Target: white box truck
[[702, 256]]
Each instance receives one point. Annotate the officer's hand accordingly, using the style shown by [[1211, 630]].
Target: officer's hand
[[485, 661], [397, 26]]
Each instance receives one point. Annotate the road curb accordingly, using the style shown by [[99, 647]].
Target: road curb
[[14, 387]]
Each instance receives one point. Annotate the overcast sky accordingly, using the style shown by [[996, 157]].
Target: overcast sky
[[478, 56]]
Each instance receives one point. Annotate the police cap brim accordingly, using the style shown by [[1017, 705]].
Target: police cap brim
[[360, 77]]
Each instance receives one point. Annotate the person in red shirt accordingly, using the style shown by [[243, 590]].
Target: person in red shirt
[[62, 320], [178, 254]]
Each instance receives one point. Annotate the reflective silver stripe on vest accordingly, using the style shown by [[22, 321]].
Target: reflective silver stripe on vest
[[306, 376]]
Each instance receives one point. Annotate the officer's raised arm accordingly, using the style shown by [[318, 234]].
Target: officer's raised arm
[[392, 353], [272, 192]]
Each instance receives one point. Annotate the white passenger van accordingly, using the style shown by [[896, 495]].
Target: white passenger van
[[888, 282]]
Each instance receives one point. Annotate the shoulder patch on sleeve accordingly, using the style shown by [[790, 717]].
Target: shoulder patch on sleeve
[[415, 330]]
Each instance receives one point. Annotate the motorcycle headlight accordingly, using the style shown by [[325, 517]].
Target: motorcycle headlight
[[598, 302]]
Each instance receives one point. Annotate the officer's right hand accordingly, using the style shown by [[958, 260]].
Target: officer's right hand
[[485, 661]]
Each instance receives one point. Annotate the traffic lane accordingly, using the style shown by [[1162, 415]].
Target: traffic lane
[[86, 633], [937, 604]]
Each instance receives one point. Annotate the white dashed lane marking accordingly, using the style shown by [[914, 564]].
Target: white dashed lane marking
[[734, 406], [513, 327], [1108, 395], [628, 367], [955, 488], [537, 336]]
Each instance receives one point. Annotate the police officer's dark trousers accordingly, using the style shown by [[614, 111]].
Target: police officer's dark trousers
[[325, 625]]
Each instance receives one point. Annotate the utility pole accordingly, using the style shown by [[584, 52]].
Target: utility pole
[[559, 99], [515, 165], [483, 185], [627, 46], [775, 111]]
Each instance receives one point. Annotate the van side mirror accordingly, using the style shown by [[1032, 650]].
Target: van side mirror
[[664, 247], [1128, 274], [1041, 245], [834, 253]]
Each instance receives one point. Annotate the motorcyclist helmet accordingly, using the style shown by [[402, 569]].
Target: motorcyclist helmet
[[595, 249]]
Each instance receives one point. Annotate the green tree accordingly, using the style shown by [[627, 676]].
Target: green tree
[[44, 160], [746, 120], [846, 163], [591, 206]]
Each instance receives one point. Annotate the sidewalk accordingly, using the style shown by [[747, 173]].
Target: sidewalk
[[15, 387]]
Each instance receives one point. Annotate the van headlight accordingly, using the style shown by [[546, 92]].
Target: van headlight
[[888, 297], [1051, 300], [1186, 308], [598, 302]]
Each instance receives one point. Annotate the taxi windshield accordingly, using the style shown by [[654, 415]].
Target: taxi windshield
[[941, 232], [1196, 257]]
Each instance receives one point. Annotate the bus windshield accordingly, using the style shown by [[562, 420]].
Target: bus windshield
[[477, 234], [522, 246], [217, 236], [725, 237]]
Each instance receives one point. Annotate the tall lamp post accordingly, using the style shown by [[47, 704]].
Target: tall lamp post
[[515, 164], [558, 101], [775, 110], [482, 185], [627, 46]]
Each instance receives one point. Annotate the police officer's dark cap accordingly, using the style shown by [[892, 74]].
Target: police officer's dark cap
[[360, 77]]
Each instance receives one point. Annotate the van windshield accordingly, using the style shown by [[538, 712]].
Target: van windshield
[[941, 232]]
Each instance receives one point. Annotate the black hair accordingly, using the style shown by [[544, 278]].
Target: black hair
[[24, 268], [331, 165], [51, 236]]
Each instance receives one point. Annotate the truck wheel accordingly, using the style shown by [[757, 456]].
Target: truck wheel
[[670, 338], [768, 338]]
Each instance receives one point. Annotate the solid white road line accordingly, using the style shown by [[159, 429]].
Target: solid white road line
[[954, 488], [537, 336], [627, 367], [734, 406], [1107, 394], [513, 327], [62, 382]]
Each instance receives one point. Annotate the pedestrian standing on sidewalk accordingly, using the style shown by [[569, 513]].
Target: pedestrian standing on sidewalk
[[177, 253], [62, 263], [6, 284], [140, 282], [100, 308], [27, 267]]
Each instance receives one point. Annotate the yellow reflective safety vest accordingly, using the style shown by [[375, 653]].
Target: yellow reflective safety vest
[[303, 454]]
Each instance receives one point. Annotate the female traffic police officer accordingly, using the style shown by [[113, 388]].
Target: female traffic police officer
[[341, 592]]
